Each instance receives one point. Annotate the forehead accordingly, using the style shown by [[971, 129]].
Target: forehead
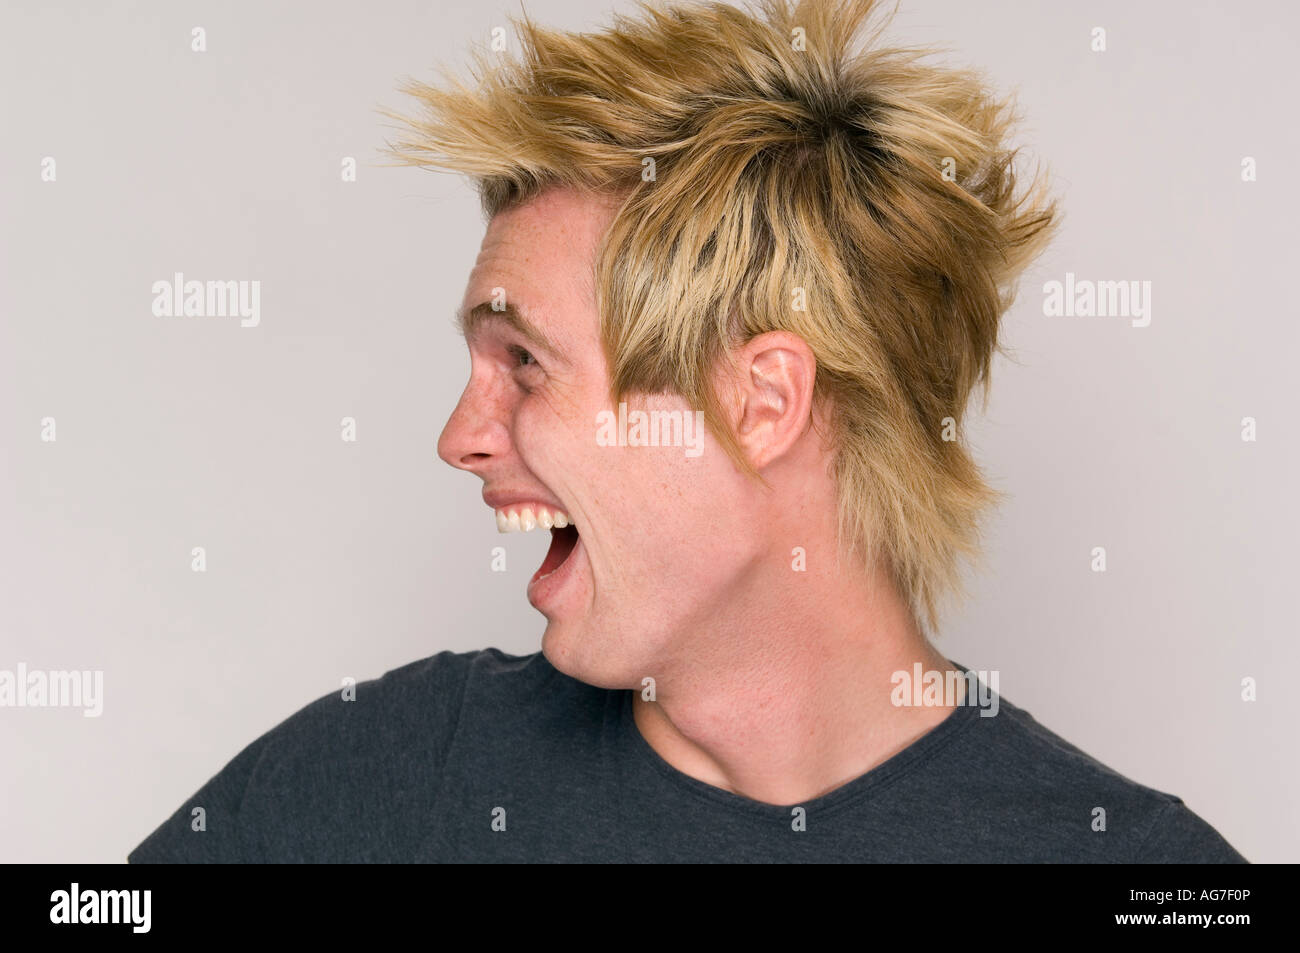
[[539, 260]]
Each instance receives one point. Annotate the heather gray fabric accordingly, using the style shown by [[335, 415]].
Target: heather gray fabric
[[421, 763]]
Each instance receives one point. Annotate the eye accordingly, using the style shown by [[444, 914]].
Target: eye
[[520, 357]]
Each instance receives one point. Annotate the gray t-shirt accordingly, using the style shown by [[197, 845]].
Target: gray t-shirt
[[484, 756]]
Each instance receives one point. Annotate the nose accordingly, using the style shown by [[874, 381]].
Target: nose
[[476, 431]]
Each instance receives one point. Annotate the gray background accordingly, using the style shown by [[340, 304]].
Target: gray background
[[328, 559]]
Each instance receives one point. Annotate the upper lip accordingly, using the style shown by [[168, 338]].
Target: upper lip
[[499, 499]]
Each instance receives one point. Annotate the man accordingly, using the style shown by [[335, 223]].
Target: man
[[738, 283]]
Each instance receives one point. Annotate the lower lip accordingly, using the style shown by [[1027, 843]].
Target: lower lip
[[547, 588]]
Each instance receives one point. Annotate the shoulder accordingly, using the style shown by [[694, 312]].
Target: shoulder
[[426, 694], [390, 733], [1087, 810], [421, 703]]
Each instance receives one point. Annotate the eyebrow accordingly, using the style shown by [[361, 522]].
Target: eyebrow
[[470, 322]]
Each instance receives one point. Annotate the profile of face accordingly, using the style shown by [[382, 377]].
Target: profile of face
[[664, 542]]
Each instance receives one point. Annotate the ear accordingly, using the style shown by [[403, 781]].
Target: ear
[[773, 388]]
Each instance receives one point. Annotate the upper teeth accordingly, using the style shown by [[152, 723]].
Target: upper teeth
[[522, 519]]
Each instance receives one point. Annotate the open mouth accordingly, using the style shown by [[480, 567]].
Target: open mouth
[[527, 517], [563, 542]]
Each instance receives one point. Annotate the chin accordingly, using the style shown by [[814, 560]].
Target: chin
[[583, 654]]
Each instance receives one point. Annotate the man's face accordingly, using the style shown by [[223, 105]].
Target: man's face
[[663, 543]]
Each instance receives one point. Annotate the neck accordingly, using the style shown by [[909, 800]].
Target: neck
[[789, 697]]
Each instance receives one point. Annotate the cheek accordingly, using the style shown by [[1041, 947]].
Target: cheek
[[549, 435], [659, 509], [697, 515]]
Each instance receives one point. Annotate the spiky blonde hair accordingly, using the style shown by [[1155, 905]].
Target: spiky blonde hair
[[788, 161]]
